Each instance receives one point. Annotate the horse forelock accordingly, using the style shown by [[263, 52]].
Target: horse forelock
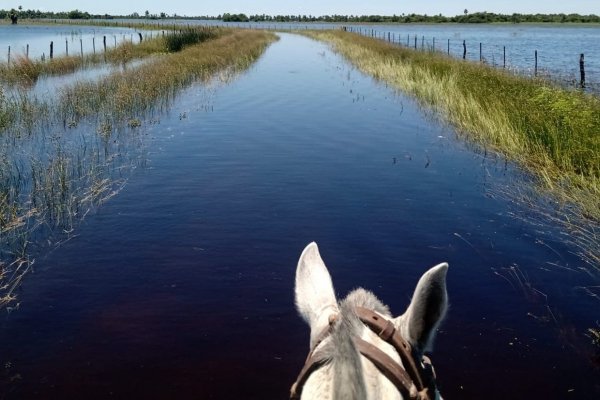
[[348, 376]]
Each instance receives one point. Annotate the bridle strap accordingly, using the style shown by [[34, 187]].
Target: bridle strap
[[386, 330], [314, 361], [388, 367], [408, 377]]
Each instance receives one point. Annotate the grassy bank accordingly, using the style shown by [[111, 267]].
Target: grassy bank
[[551, 132], [23, 70], [56, 159]]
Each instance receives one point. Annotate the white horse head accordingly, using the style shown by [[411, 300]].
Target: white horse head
[[358, 351]]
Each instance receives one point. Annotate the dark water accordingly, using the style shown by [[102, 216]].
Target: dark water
[[182, 285]]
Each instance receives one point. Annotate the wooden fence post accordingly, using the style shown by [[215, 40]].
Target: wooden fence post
[[104, 41], [535, 67], [503, 56], [480, 53], [8, 55], [51, 50], [27, 51], [582, 70], [464, 49], [448, 46], [415, 42], [434, 44], [94, 44], [81, 46], [67, 46]]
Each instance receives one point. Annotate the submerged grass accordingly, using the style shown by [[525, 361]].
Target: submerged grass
[[50, 176], [552, 132]]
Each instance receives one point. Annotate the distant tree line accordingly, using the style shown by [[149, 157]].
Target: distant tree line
[[479, 17], [469, 18], [36, 14]]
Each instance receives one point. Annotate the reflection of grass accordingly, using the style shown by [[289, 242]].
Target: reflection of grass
[[50, 178], [551, 132]]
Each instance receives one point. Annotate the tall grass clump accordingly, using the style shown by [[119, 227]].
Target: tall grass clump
[[553, 133], [178, 40]]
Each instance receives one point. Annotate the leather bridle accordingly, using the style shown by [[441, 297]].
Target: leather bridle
[[414, 380]]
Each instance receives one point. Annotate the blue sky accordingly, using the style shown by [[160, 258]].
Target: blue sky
[[313, 7]]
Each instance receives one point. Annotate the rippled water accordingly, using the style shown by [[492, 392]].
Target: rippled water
[[182, 285], [75, 38]]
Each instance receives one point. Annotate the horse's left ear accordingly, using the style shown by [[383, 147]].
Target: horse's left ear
[[315, 298], [426, 310]]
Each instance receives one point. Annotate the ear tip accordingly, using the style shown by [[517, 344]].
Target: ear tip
[[310, 248], [440, 270], [309, 254]]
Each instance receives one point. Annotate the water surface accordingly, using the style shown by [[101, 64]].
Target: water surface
[[182, 285]]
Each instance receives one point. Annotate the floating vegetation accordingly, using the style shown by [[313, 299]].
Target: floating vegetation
[[56, 160], [551, 132]]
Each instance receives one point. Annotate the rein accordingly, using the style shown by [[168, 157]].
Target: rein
[[416, 380]]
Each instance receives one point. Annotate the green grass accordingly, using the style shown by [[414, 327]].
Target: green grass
[[551, 132]]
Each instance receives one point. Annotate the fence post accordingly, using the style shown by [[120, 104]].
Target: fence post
[[415, 42], [480, 53], [27, 51], [8, 55], [423, 42], [51, 50], [535, 69], [81, 46], [94, 44], [104, 41], [503, 56], [67, 46], [464, 49], [434, 44], [582, 70]]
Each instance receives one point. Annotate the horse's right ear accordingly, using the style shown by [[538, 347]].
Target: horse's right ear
[[315, 298]]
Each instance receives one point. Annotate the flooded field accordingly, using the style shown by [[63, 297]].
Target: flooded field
[[181, 284]]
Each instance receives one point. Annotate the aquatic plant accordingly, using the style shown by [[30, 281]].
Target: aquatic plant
[[551, 132]]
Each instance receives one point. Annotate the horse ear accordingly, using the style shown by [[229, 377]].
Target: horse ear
[[426, 310], [315, 298]]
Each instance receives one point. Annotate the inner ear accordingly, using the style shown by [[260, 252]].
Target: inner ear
[[426, 310], [315, 297]]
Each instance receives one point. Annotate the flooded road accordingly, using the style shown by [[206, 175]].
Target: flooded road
[[182, 284]]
